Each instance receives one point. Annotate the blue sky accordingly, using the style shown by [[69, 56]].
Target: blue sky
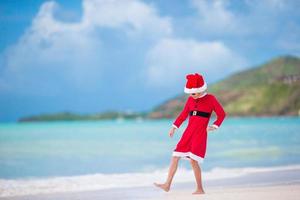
[[95, 55]]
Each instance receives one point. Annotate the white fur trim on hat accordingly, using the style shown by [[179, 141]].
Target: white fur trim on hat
[[195, 90]]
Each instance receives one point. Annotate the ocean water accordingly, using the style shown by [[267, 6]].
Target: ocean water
[[78, 156]]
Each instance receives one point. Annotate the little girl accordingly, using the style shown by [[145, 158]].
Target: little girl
[[192, 144]]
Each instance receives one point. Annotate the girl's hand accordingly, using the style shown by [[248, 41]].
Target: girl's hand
[[172, 131], [211, 128]]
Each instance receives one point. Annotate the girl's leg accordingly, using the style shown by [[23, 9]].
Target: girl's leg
[[197, 173], [172, 170]]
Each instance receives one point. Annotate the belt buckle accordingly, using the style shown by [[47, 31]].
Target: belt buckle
[[194, 112]]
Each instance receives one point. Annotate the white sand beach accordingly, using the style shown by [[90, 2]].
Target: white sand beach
[[284, 191], [287, 192], [282, 184]]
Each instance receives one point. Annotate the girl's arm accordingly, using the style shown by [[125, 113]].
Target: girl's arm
[[182, 116], [218, 109]]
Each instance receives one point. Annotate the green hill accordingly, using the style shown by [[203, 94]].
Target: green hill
[[271, 89], [267, 90]]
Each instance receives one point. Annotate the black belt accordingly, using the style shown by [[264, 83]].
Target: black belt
[[199, 113]]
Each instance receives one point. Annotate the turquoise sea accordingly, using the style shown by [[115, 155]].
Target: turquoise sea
[[41, 153]]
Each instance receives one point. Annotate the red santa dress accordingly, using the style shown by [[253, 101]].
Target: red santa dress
[[192, 144]]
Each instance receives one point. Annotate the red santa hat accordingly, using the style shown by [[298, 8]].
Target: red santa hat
[[195, 83]]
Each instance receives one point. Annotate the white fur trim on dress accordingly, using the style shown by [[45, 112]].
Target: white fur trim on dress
[[216, 126], [174, 126], [195, 90], [190, 154]]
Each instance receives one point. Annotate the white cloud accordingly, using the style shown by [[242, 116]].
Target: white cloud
[[254, 17], [50, 50], [131, 15], [171, 59], [53, 52], [214, 16]]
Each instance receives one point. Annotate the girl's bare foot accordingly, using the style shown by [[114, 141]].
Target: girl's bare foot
[[164, 186], [199, 191]]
